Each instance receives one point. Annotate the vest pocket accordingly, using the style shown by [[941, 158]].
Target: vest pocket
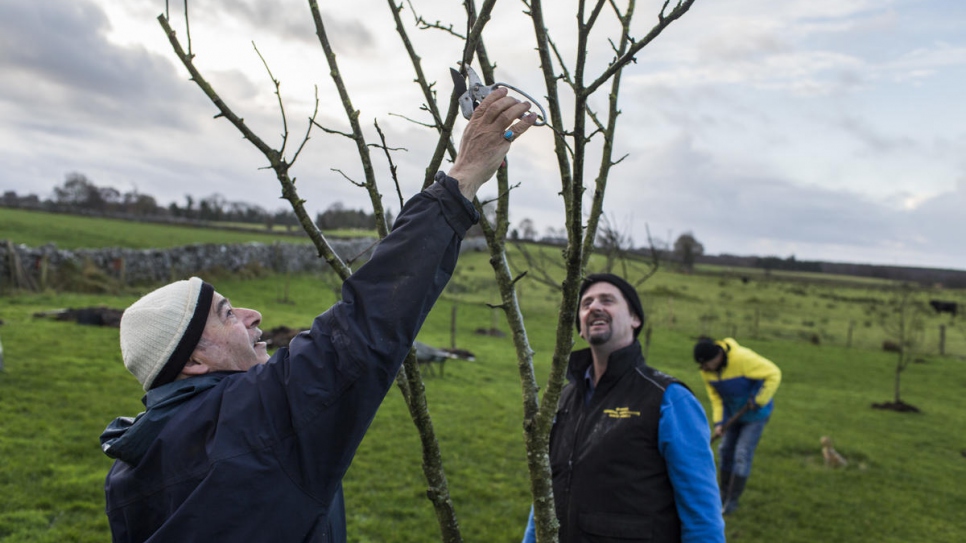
[[616, 528]]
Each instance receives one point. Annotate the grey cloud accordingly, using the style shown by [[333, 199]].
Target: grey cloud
[[748, 45], [290, 20], [872, 139], [59, 65], [941, 220], [682, 188]]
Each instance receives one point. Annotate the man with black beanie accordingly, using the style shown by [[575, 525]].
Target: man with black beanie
[[629, 448]]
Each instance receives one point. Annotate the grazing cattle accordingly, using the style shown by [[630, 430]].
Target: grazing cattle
[[427, 355], [891, 346], [944, 307]]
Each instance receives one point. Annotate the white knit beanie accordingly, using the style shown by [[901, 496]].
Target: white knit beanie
[[161, 330]]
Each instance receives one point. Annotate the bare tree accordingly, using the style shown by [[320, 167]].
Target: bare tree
[[903, 319], [581, 133]]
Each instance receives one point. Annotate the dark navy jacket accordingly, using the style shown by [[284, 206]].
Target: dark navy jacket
[[260, 455]]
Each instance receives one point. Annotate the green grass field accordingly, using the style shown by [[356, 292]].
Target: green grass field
[[63, 382], [36, 228]]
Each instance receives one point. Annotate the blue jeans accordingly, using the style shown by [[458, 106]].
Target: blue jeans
[[738, 445]]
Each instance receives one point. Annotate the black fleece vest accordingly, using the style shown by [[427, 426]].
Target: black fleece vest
[[610, 481]]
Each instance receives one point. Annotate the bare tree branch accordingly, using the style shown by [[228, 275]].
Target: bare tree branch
[[540, 265], [597, 204], [281, 103], [392, 167], [347, 178], [308, 130], [353, 116], [430, 105], [663, 21], [424, 25], [333, 131], [426, 125], [275, 159]]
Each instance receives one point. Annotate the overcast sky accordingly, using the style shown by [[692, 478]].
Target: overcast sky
[[823, 129]]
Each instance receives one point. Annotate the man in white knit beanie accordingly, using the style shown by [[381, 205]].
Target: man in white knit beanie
[[160, 331], [238, 446]]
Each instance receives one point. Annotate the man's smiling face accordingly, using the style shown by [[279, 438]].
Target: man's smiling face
[[605, 316]]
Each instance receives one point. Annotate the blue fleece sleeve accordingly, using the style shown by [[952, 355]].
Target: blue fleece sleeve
[[530, 535], [684, 441]]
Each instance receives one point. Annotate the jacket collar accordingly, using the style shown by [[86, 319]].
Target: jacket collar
[[127, 438], [620, 362]]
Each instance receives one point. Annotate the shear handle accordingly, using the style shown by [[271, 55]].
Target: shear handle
[[542, 118]]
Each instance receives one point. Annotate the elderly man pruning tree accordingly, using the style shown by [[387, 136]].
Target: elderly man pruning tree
[[237, 446], [629, 445]]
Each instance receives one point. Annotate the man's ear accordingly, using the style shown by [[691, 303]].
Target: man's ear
[[194, 367]]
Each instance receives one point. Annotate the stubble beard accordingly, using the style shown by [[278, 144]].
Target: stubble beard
[[600, 338]]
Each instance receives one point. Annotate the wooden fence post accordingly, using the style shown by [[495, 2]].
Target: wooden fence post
[[452, 327], [942, 339]]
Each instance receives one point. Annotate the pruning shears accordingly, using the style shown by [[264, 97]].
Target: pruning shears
[[472, 94]]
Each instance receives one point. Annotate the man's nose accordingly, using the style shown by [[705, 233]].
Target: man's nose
[[252, 317]]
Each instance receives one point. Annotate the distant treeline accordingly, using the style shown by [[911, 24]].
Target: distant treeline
[[79, 195], [924, 276]]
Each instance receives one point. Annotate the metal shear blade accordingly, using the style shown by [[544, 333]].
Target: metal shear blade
[[472, 95]]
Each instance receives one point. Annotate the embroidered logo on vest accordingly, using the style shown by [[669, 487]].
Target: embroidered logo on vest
[[621, 413]]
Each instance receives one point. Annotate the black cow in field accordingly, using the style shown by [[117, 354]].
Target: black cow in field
[[944, 307]]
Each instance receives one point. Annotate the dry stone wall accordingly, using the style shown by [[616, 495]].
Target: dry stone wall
[[22, 266], [20, 263]]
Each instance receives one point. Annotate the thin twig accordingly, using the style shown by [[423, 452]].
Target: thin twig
[[392, 167], [347, 178], [281, 104], [275, 159], [187, 30], [308, 129], [352, 115], [426, 125], [663, 21]]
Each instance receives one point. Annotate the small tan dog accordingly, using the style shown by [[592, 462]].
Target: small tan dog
[[832, 458]]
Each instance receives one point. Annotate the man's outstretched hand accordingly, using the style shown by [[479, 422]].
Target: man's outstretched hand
[[483, 146]]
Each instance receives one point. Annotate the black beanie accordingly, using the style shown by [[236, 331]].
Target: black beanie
[[706, 349], [630, 295]]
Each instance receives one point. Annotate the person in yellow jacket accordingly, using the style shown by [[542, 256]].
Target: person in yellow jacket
[[741, 385]]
